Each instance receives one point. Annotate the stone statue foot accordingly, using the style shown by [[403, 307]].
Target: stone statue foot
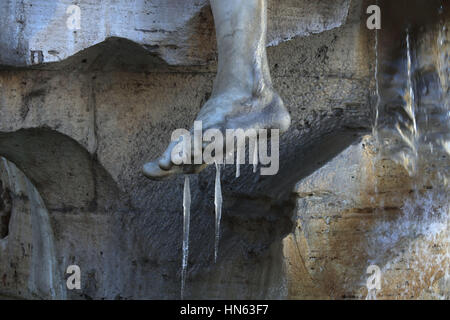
[[226, 111]]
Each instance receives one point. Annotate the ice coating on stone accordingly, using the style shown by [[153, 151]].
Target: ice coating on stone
[[186, 223], [424, 219], [218, 207], [416, 141], [417, 127], [410, 138]]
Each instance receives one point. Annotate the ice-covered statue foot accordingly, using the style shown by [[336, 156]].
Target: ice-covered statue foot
[[266, 112], [243, 96]]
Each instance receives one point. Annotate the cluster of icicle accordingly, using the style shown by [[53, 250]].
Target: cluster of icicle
[[218, 211]]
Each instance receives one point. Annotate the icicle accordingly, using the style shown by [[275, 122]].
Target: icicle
[[218, 206], [377, 85], [255, 156], [238, 156], [186, 222], [410, 160], [410, 108]]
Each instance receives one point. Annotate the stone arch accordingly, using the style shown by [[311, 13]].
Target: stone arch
[[46, 173], [65, 173]]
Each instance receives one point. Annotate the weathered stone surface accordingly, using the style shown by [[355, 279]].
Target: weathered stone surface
[[359, 210], [180, 32], [28, 262], [81, 133]]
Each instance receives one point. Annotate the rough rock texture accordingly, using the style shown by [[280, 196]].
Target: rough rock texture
[[180, 32], [360, 209], [81, 130]]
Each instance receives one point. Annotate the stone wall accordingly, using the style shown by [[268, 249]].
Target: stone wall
[[180, 32], [80, 129], [363, 209]]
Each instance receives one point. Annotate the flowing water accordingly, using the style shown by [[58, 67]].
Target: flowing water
[[412, 128]]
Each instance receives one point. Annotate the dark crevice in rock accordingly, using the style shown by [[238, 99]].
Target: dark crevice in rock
[[5, 210]]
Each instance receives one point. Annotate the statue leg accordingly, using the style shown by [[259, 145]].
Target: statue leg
[[242, 95]]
